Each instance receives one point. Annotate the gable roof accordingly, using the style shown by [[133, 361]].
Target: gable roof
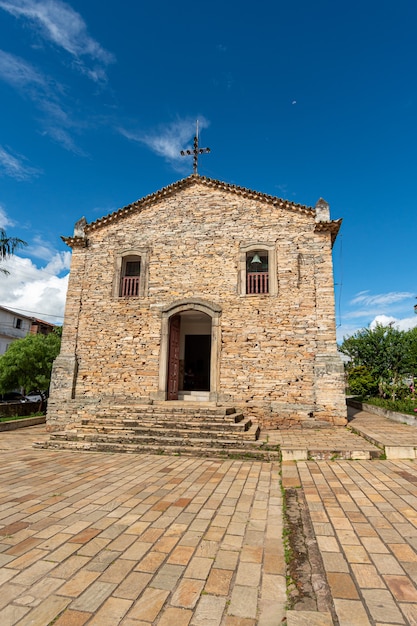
[[179, 186], [188, 182]]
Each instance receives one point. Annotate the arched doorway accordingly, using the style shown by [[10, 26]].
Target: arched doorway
[[190, 346]]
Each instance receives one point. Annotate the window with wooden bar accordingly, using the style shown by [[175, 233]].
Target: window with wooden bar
[[130, 279], [257, 272], [257, 265]]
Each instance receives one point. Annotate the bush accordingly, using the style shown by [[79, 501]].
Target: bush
[[361, 382], [408, 405]]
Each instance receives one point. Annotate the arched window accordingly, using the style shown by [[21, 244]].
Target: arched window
[[258, 269], [130, 280], [257, 274]]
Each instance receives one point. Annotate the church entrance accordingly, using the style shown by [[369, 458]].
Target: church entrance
[[189, 358]]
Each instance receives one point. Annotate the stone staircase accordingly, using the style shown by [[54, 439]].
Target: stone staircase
[[177, 428]]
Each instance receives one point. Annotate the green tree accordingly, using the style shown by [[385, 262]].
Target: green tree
[[27, 364], [412, 351], [8, 245], [361, 382], [385, 353]]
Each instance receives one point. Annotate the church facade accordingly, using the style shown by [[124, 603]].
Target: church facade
[[208, 292]]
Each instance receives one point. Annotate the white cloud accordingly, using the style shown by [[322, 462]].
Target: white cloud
[[393, 307], [40, 292], [364, 297], [58, 23], [14, 166], [41, 249], [168, 140], [19, 73], [5, 220], [387, 320]]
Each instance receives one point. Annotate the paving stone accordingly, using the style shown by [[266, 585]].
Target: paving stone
[[403, 552], [167, 576], [273, 588], [367, 576], [209, 611], [68, 568], [401, 588], [27, 559], [248, 574], [199, 567], [244, 602], [207, 548], [382, 606], [357, 554], [166, 544], [12, 614], [117, 571], [342, 586], [47, 611], [226, 559], [175, 616], [308, 618], [334, 562], [93, 597], [111, 612], [149, 605], [231, 620], [387, 564], [410, 612], [351, 613], [187, 593], [73, 618], [254, 554], [218, 582], [33, 573], [181, 555], [132, 586], [151, 562], [327, 544], [78, 583]]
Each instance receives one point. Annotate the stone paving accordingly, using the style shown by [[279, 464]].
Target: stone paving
[[108, 539], [399, 441], [364, 515], [320, 443]]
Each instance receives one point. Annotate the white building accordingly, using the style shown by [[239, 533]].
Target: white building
[[16, 326]]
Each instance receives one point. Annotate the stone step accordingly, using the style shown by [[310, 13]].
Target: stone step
[[147, 424], [249, 451], [161, 408], [194, 396], [169, 438], [217, 419], [163, 416]]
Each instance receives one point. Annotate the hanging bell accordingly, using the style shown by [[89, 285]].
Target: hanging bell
[[256, 259]]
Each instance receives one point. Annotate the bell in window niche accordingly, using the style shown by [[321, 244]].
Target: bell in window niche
[[257, 278]]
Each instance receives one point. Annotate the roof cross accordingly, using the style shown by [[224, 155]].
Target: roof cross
[[195, 151]]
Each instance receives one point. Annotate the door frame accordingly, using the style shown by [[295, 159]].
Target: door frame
[[174, 357], [191, 304]]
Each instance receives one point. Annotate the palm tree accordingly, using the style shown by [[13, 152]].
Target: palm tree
[[7, 247]]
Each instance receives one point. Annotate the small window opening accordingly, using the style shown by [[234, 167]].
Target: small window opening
[[257, 272], [130, 277]]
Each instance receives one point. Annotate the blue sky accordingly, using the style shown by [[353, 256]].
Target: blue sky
[[296, 99]]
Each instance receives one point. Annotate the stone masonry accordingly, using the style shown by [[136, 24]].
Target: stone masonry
[[273, 355]]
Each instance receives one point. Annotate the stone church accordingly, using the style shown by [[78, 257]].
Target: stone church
[[203, 293]]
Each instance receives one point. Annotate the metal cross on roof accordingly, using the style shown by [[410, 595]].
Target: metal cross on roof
[[195, 151]]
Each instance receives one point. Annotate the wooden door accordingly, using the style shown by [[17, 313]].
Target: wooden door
[[174, 358]]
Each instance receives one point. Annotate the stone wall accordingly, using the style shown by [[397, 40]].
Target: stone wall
[[277, 355]]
